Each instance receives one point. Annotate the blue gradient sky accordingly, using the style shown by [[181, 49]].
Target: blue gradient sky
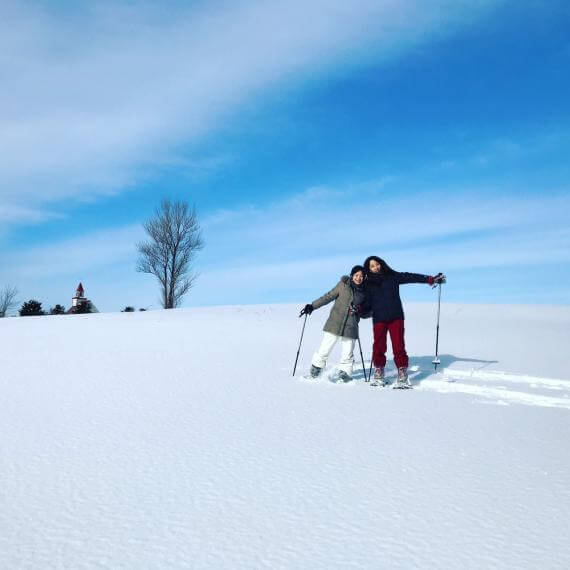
[[435, 134]]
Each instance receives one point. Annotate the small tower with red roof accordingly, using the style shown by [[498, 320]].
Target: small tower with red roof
[[80, 303], [79, 298]]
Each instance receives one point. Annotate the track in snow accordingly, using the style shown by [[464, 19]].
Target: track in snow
[[487, 386], [501, 388]]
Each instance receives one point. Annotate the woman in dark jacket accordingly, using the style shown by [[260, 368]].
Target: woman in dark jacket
[[382, 285], [342, 323]]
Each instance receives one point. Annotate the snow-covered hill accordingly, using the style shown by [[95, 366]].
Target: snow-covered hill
[[179, 439]]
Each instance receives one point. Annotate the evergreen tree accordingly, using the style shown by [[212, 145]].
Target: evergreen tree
[[83, 308], [31, 308], [57, 310]]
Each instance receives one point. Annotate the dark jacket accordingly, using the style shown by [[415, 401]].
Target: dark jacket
[[383, 294], [340, 321]]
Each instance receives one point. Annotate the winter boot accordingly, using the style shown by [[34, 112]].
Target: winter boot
[[344, 376], [315, 371], [403, 381], [379, 379]]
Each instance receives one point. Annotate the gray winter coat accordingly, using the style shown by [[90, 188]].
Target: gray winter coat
[[340, 322]]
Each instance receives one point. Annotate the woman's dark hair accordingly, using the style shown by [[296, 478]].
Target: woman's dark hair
[[386, 269], [356, 269]]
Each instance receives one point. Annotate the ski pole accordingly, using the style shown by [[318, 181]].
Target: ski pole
[[299, 349], [352, 310], [362, 358], [436, 360], [371, 361]]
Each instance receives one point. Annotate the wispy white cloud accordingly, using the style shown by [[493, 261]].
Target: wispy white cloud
[[10, 213], [89, 253], [345, 220], [285, 249], [500, 149], [103, 260], [310, 241], [95, 95]]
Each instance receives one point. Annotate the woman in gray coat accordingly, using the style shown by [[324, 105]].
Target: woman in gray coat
[[342, 324]]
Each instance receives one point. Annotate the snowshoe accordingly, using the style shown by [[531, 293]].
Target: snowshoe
[[379, 378], [343, 376], [403, 382], [315, 371]]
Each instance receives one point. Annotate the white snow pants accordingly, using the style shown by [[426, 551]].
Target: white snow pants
[[347, 352]]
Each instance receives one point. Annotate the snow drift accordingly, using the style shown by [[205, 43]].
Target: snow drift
[[179, 439]]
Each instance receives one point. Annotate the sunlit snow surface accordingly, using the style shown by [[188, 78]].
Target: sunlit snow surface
[[179, 439]]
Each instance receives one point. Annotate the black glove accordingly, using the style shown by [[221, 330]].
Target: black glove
[[439, 278], [306, 310]]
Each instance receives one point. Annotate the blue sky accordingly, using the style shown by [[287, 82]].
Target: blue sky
[[309, 135]]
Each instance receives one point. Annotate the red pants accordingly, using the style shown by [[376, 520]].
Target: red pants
[[396, 330]]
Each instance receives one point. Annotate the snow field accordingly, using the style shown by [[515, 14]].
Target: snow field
[[179, 439]]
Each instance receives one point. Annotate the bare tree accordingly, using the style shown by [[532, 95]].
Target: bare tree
[[175, 236], [7, 300]]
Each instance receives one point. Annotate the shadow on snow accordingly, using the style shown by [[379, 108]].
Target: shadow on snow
[[425, 365]]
